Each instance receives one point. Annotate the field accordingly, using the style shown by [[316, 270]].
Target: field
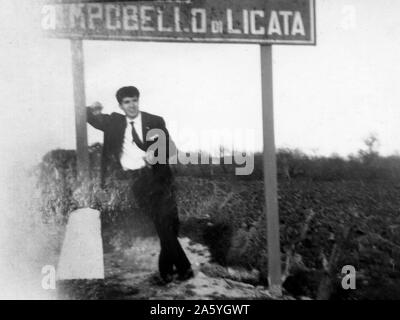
[[333, 212]]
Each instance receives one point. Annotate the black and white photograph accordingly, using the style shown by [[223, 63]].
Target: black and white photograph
[[200, 150]]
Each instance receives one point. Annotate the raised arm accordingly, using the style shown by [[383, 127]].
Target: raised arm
[[95, 118]]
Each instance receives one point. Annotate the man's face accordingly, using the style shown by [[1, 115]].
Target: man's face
[[130, 105]]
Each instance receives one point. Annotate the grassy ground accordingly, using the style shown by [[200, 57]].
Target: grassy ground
[[332, 213], [357, 220]]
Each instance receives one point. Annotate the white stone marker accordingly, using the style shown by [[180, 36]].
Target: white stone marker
[[82, 251]]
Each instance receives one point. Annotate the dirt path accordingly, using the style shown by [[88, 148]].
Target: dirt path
[[131, 273]]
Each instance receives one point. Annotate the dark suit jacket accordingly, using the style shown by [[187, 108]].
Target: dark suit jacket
[[113, 125]]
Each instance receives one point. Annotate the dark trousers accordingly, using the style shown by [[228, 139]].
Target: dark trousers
[[154, 192]]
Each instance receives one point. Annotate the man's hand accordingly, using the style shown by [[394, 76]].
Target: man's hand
[[149, 158], [96, 108]]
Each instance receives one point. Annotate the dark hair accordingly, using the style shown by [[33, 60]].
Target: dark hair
[[126, 92]]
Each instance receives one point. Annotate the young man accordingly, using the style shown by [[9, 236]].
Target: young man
[[126, 150]]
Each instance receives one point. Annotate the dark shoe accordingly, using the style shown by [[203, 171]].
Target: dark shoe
[[186, 275], [161, 280], [167, 278]]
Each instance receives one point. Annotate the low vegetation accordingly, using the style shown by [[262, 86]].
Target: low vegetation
[[333, 212]]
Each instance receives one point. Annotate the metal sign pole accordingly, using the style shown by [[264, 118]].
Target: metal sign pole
[[80, 110], [270, 173]]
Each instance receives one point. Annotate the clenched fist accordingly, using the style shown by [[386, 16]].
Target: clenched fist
[[96, 108]]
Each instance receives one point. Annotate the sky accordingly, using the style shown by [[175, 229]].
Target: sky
[[327, 98]]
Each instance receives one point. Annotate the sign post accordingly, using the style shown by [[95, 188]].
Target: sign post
[[270, 172], [80, 110], [262, 22]]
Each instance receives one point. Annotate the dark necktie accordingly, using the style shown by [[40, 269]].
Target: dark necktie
[[136, 138]]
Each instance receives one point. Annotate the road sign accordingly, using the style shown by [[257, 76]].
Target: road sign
[[263, 22], [232, 21]]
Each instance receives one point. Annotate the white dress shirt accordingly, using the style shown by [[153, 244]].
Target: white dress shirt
[[132, 155]]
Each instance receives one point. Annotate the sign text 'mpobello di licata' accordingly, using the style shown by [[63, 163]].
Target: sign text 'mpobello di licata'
[[258, 21]]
